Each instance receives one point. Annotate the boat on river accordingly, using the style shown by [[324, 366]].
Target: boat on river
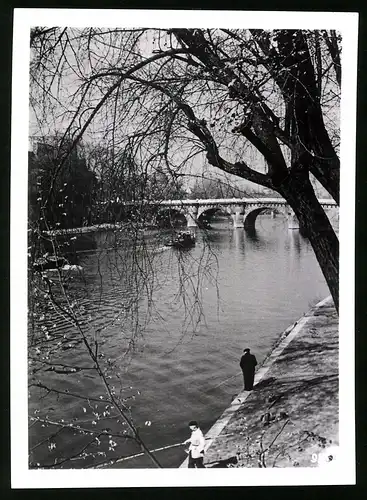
[[48, 262], [182, 239]]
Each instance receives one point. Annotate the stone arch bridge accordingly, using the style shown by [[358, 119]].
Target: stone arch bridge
[[243, 211]]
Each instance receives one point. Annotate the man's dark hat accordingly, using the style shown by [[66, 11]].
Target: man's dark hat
[[246, 350]]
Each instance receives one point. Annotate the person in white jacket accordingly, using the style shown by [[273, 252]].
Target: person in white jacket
[[196, 448]]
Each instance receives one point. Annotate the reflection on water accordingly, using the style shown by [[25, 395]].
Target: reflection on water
[[254, 240], [252, 234], [238, 240], [249, 286], [295, 242]]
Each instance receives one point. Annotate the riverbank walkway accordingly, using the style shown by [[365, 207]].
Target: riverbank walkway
[[290, 419]]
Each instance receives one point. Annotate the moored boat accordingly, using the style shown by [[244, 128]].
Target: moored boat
[[182, 239], [48, 262]]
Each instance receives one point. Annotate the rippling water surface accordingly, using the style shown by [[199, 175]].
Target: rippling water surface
[[183, 363]]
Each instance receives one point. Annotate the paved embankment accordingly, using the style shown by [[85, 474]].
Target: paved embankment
[[292, 413], [105, 226]]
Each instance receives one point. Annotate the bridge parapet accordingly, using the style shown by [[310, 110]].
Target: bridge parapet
[[223, 201]]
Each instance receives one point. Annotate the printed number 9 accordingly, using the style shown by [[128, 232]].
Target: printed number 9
[[314, 458]]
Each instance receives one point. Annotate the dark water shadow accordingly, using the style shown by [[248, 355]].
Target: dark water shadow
[[211, 235], [254, 240], [251, 233]]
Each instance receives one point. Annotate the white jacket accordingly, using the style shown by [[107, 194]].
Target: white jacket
[[197, 443]]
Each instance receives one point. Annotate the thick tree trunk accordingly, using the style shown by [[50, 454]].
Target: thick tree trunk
[[316, 226]]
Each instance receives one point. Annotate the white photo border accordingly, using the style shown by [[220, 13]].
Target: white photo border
[[344, 470]]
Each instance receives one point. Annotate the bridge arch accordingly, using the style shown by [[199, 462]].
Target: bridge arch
[[169, 214], [205, 212], [251, 216]]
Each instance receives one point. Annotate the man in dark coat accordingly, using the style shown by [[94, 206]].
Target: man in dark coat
[[247, 364]]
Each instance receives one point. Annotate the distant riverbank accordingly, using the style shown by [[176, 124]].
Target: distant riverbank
[[95, 228]]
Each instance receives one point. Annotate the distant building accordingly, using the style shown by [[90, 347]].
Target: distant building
[[49, 146], [69, 190]]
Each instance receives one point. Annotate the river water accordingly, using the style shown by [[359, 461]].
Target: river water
[[191, 322]]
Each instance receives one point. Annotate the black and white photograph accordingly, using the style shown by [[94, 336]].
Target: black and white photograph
[[182, 246]]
